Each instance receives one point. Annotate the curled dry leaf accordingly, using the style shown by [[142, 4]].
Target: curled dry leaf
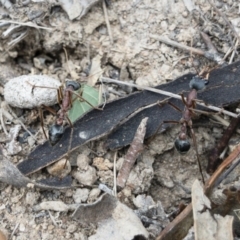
[[11, 175], [207, 226], [77, 9], [114, 219]]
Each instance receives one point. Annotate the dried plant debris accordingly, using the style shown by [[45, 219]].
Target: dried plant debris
[[9, 174], [214, 156], [206, 225], [13, 147], [30, 91], [228, 204], [114, 219], [151, 214], [134, 151], [77, 9], [134, 108]]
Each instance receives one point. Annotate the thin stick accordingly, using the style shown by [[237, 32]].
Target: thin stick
[[234, 51], [2, 123], [165, 93], [114, 175], [28, 24], [133, 152], [213, 160], [107, 21], [211, 48], [166, 40], [208, 54]]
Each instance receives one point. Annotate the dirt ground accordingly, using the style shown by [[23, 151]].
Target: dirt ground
[[130, 53]]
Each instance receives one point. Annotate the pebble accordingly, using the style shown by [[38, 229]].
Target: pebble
[[86, 177], [57, 206], [81, 195], [83, 161], [60, 169], [21, 227], [19, 92], [94, 194], [72, 228], [31, 198], [102, 164]]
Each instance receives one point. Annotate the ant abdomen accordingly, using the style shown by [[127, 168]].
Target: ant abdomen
[[182, 146], [198, 83], [75, 85], [55, 133]]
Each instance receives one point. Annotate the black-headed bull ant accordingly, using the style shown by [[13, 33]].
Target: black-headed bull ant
[[182, 143], [56, 131], [65, 101]]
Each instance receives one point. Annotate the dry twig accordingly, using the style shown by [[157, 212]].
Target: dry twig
[[208, 54], [134, 150], [107, 21]]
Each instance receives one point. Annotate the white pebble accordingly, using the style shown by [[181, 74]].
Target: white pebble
[[81, 195], [87, 177], [19, 92], [57, 206]]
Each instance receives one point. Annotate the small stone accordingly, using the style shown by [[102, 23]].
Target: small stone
[[31, 141], [119, 163], [94, 194], [21, 227], [57, 206], [31, 198], [83, 161], [60, 169], [81, 195], [102, 164], [80, 236], [72, 228], [106, 177], [86, 177], [20, 91], [69, 193], [164, 25], [185, 14]]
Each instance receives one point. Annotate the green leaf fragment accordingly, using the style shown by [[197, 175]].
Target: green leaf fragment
[[79, 106]]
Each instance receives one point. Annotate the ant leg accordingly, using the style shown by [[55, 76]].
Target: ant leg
[[174, 106], [196, 149], [40, 110], [60, 95], [41, 120], [183, 100], [84, 100], [155, 134], [69, 121]]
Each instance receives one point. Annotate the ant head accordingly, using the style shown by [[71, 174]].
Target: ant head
[[182, 145], [75, 85], [55, 133], [198, 83]]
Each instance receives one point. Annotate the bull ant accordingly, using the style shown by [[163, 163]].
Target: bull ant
[[182, 143]]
